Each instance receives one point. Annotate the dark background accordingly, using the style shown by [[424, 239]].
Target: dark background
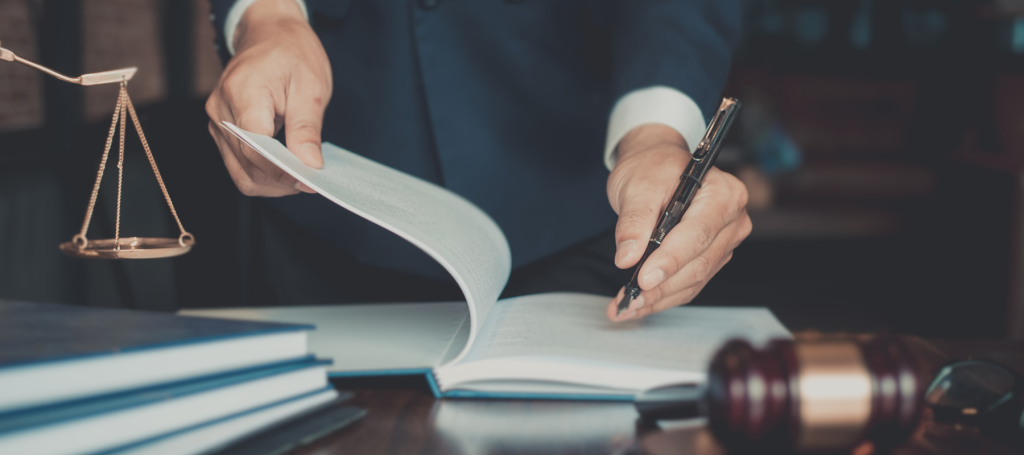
[[881, 143]]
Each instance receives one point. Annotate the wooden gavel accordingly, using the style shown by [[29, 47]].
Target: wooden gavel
[[812, 396], [802, 396]]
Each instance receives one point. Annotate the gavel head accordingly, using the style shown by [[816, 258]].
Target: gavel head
[[813, 396]]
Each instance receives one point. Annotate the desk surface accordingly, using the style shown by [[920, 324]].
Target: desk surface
[[408, 420]]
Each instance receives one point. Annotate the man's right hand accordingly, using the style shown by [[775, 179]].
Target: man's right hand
[[279, 76]]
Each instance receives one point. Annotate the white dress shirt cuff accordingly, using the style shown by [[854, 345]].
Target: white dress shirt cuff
[[235, 16], [655, 104]]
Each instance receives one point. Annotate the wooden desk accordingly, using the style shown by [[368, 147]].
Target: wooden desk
[[410, 421]]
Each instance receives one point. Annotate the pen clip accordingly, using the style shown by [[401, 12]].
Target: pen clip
[[717, 130]]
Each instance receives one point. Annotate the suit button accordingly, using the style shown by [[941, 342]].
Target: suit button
[[428, 4]]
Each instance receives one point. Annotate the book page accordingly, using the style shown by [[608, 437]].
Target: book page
[[571, 333], [453, 231]]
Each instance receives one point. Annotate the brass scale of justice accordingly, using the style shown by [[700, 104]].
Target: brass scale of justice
[[118, 247]]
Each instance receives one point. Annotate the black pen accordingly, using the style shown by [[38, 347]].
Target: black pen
[[703, 158]]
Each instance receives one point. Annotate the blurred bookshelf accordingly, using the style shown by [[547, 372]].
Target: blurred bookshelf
[[886, 147]]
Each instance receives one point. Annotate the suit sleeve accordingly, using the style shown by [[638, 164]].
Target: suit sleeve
[[225, 15], [670, 61], [218, 15]]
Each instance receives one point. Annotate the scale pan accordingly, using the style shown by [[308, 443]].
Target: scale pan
[[130, 248]]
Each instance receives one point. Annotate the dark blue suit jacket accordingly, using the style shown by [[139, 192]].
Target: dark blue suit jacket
[[505, 102]]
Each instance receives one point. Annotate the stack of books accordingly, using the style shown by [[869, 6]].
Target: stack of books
[[78, 380]]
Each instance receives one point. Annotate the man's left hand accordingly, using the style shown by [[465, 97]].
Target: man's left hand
[[651, 158]]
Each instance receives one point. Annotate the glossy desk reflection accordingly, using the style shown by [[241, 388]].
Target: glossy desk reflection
[[407, 420]]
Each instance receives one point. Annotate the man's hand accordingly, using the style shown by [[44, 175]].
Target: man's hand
[[651, 160], [280, 76]]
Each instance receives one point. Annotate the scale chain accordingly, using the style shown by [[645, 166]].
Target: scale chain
[[99, 174], [123, 109], [120, 174], [152, 162]]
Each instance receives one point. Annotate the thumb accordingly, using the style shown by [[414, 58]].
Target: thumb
[[637, 217], [303, 121], [641, 184]]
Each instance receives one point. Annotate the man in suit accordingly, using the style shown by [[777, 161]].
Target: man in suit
[[506, 102]]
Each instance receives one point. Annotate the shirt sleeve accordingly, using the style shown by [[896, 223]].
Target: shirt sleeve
[[658, 104], [670, 60], [234, 16]]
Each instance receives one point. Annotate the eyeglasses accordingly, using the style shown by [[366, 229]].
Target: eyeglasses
[[982, 394]]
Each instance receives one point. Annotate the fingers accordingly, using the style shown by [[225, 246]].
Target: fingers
[[683, 296], [255, 113], [238, 164], [635, 306], [664, 302], [703, 267], [303, 119], [639, 201], [613, 309], [714, 209], [252, 110], [694, 251], [681, 287], [251, 173], [639, 189]]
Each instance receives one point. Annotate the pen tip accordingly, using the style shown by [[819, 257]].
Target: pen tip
[[624, 304]]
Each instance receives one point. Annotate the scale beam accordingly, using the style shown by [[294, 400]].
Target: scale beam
[[105, 77]]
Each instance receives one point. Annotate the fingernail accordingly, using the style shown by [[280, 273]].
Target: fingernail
[[623, 250], [637, 303], [302, 187], [311, 155], [627, 315], [653, 278]]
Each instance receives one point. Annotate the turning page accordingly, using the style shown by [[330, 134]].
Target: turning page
[[453, 231]]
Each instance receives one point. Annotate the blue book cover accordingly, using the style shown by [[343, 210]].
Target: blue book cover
[[45, 332], [51, 353], [107, 422], [84, 408], [93, 406]]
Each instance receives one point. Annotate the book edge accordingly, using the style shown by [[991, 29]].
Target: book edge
[[231, 378], [150, 347]]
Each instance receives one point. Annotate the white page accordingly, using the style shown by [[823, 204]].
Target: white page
[[453, 231], [559, 375], [367, 337], [565, 336], [539, 388]]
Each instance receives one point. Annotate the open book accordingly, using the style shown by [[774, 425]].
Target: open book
[[547, 345]]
